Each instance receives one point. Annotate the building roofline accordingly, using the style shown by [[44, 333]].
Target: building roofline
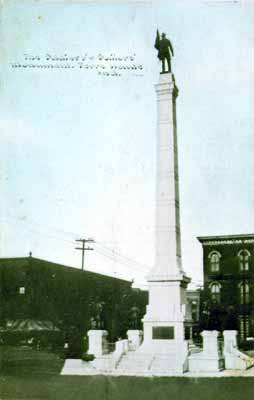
[[203, 239], [62, 265], [14, 258]]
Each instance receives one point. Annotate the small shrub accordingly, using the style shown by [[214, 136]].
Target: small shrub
[[246, 345], [88, 357]]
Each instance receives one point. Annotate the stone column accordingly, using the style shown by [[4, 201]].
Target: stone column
[[168, 242], [97, 342], [165, 314], [167, 282]]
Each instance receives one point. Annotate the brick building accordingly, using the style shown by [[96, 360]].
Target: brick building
[[39, 293], [32, 289], [228, 295]]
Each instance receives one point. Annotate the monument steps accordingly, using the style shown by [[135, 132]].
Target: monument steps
[[133, 361], [234, 358], [239, 360], [248, 361], [104, 363], [159, 364]]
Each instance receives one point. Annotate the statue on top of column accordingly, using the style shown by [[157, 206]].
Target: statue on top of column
[[165, 50]]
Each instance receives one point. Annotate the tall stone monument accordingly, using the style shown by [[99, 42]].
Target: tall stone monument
[[165, 316], [164, 350]]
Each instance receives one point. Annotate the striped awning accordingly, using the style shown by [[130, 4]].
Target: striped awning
[[28, 325]]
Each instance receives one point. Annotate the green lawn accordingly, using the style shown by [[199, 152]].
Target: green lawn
[[24, 361], [35, 375]]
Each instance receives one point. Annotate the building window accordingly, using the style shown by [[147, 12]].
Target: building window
[[244, 293], [22, 290], [194, 310], [244, 256], [244, 326], [214, 257], [215, 289]]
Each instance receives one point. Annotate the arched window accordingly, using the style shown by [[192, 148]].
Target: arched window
[[214, 257], [244, 256], [244, 293], [215, 289]]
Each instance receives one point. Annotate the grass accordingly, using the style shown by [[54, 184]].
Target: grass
[[30, 374], [24, 361]]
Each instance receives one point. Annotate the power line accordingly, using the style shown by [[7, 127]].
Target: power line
[[111, 258], [76, 234], [121, 260], [32, 222], [42, 233], [116, 254], [128, 259], [105, 251], [119, 263]]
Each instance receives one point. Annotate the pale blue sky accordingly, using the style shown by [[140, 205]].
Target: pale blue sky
[[78, 149]]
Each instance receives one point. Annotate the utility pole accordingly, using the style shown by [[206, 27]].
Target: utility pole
[[83, 249]]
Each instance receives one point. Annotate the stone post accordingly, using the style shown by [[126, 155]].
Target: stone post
[[233, 358], [230, 342], [135, 338], [210, 343], [97, 342], [208, 360]]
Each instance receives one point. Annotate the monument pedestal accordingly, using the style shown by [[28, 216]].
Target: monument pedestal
[[164, 327]]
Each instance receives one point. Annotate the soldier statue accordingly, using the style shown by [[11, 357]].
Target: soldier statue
[[165, 50]]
